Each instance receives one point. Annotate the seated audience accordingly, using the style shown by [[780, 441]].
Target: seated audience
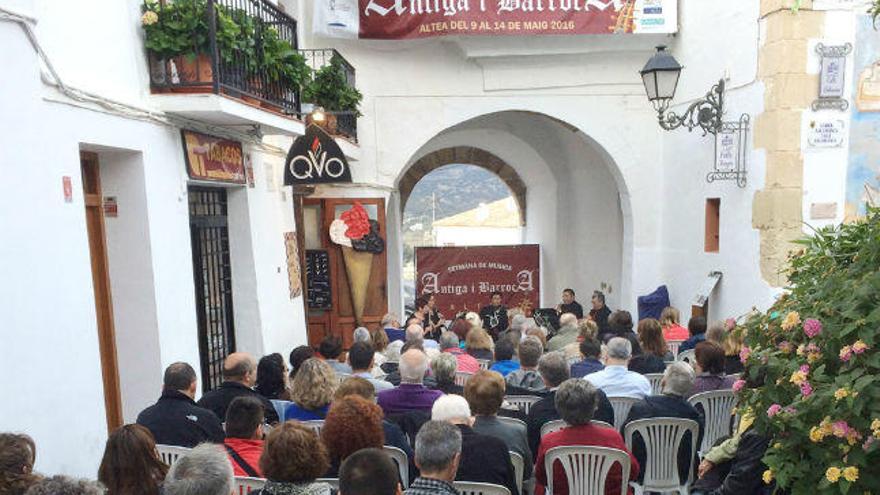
[[709, 367], [131, 465], [411, 394], [293, 458], [380, 343], [527, 376], [620, 324], [65, 485], [654, 353], [577, 401], [361, 334], [697, 331], [554, 370], [460, 327], [297, 357], [244, 436], [239, 378], [616, 380], [362, 359], [742, 474], [671, 403], [311, 391], [391, 325], [17, 456], [369, 472], [415, 333], [170, 419], [485, 393], [715, 332], [733, 343], [204, 470], [438, 453], [353, 423], [587, 329], [443, 368], [393, 377], [538, 333], [272, 378], [479, 344], [504, 363], [394, 436], [672, 329], [329, 351], [567, 334], [484, 458], [449, 343], [590, 349], [473, 320]]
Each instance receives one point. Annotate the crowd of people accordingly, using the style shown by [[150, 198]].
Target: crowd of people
[[396, 386]]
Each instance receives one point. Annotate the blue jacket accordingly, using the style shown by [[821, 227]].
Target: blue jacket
[[691, 342], [585, 367], [505, 367], [298, 413], [395, 334]]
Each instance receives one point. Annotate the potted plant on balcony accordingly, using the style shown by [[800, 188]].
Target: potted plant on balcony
[[178, 32], [329, 89], [283, 67]]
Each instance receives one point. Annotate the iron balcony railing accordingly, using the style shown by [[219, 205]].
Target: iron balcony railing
[[317, 59], [231, 54]]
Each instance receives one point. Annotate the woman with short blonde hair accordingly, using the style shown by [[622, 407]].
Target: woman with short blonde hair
[[311, 391], [479, 344]]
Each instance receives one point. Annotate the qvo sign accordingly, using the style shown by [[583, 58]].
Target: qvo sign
[[315, 158]]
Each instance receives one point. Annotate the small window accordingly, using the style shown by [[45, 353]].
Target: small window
[[713, 216]]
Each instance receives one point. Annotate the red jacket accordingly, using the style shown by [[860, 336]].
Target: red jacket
[[249, 450], [589, 435], [465, 361], [675, 333]]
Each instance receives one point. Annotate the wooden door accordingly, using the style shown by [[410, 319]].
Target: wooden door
[[339, 319], [91, 179]]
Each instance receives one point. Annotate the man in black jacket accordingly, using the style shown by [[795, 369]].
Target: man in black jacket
[[176, 419], [600, 312], [554, 370], [240, 375], [494, 316], [677, 382]]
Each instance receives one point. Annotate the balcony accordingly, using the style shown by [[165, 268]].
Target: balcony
[[331, 70]]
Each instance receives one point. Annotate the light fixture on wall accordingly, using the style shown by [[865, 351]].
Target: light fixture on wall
[[318, 116], [660, 77]]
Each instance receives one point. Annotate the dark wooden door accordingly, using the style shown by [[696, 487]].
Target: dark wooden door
[[91, 179]]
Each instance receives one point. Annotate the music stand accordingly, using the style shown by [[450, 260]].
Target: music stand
[[548, 318]]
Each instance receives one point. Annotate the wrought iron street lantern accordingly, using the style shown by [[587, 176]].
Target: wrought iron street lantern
[[660, 77]]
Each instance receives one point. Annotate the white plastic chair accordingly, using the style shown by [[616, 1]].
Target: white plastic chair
[[662, 438], [655, 378], [511, 421], [472, 488], [673, 345], [244, 485], [399, 457], [280, 406], [586, 468], [462, 377], [334, 482], [621, 406], [484, 363], [522, 402], [519, 467], [574, 359], [170, 453], [717, 408], [558, 424], [689, 356], [315, 425]]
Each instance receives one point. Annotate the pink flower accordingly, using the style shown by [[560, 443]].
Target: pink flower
[[859, 347], [812, 327], [846, 353], [806, 389], [773, 410], [839, 429], [730, 323], [784, 346], [813, 348], [744, 354], [738, 385], [805, 368]]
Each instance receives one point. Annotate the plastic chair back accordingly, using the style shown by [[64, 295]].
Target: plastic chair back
[[333, 482], [315, 425], [399, 457], [717, 406], [662, 438], [689, 356], [586, 468], [484, 363], [280, 406], [244, 485], [655, 378], [462, 377], [522, 402], [519, 468], [558, 424], [621, 406], [472, 488], [170, 453], [673, 345]]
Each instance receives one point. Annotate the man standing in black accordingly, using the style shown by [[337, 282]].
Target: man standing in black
[[600, 312], [569, 305], [176, 419], [494, 316]]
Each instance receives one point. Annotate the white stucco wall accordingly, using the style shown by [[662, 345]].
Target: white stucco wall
[[477, 236]]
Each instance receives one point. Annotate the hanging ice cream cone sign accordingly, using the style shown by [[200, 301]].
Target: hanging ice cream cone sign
[[359, 239]]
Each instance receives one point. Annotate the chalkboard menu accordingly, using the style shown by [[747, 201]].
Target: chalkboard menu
[[318, 278]]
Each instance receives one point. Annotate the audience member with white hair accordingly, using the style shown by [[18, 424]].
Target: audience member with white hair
[[438, 453], [391, 325], [204, 470], [415, 333], [527, 376], [449, 343], [65, 485], [361, 334], [616, 380], [567, 334], [484, 458], [443, 369], [676, 385], [411, 394]]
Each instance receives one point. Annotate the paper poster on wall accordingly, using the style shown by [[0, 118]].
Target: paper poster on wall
[[294, 276], [863, 174]]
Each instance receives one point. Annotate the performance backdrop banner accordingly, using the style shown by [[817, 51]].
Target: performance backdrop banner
[[406, 19], [464, 278]]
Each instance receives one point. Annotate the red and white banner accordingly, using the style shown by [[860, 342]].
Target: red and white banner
[[406, 19], [464, 278]]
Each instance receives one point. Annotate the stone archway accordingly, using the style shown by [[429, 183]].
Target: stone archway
[[465, 155]]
